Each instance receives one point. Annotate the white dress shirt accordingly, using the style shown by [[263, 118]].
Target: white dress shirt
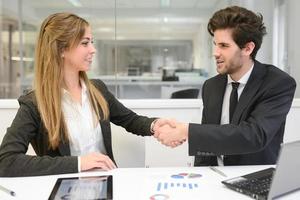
[[84, 136], [225, 107]]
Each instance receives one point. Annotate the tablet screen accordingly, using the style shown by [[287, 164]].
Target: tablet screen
[[92, 188]]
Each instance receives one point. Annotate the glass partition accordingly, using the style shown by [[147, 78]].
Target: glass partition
[[145, 49]]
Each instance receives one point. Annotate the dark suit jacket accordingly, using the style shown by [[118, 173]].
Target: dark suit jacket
[[27, 127], [257, 127]]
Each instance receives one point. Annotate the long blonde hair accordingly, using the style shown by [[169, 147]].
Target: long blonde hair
[[59, 32]]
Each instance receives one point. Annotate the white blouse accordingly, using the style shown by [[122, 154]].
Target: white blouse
[[83, 135]]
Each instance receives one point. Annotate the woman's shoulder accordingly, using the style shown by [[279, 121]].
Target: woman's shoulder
[[100, 85], [28, 99]]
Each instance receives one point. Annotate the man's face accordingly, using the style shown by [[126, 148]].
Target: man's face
[[228, 55]]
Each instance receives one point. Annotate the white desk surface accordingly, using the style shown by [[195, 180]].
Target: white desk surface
[[141, 183]]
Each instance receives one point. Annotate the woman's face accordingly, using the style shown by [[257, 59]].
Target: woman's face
[[80, 58]]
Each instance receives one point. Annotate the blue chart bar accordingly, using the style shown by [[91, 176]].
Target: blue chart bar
[[158, 186], [165, 185]]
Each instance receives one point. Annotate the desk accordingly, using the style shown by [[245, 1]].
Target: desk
[[137, 183]]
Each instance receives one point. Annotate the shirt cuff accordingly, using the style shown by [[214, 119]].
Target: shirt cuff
[[152, 126], [79, 164]]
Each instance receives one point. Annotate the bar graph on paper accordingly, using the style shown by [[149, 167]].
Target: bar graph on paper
[[164, 186], [172, 186]]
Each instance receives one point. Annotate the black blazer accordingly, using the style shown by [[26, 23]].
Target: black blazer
[[257, 127], [27, 127]]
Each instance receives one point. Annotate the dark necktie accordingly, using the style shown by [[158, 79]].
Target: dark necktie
[[233, 99]]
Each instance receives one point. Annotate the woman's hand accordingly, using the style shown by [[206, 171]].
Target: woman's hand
[[96, 160]]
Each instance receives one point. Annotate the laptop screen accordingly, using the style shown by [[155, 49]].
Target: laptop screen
[[287, 177]]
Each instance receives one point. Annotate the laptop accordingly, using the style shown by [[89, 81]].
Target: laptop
[[272, 183]]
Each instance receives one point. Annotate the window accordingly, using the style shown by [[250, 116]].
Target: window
[[145, 49]]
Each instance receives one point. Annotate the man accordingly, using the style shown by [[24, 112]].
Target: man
[[244, 106]]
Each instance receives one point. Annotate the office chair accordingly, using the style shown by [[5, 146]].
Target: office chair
[[186, 94]]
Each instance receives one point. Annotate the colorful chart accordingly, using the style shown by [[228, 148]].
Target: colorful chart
[[174, 186], [159, 197], [186, 175]]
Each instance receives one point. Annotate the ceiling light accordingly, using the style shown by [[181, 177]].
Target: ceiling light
[[17, 58], [105, 29], [75, 3], [164, 3]]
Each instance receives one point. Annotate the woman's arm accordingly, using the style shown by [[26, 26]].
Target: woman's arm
[[13, 158], [122, 116]]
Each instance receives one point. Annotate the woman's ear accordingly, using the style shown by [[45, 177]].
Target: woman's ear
[[62, 54]]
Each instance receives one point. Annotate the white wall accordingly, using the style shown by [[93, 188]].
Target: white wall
[[134, 151], [202, 50], [294, 41]]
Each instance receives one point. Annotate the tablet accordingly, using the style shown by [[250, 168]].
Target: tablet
[[83, 188]]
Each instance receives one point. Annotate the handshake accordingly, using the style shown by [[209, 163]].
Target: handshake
[[170, 132]]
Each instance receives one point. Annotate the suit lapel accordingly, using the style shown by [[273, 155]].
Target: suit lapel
[[106, 132], [64, 148], [216, 95], [253, 84]]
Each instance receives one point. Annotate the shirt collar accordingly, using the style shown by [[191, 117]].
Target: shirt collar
[[83, 86], [243, 80], [83, 91], [66, 94]]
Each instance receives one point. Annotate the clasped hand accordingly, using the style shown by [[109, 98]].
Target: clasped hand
[[167, 131], [170, 132]]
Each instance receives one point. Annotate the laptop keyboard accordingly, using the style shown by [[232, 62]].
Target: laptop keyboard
[[259, 186], [256, 185]]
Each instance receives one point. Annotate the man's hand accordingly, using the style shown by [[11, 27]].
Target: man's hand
[[170, 132], [163, 122]]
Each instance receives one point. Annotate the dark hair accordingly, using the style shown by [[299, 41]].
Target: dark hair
[[246, 26]]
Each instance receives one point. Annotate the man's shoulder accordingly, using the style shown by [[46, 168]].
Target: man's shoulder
[[275, 73], [216, 78], [274, 77]]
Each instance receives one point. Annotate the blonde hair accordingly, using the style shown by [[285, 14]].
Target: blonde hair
[[59, 32]]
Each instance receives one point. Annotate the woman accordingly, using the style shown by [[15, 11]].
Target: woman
[[66, 117]]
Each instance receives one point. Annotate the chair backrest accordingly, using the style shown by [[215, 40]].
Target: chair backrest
[[186, 94]]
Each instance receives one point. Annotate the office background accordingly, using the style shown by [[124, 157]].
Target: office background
[[145, 49]]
